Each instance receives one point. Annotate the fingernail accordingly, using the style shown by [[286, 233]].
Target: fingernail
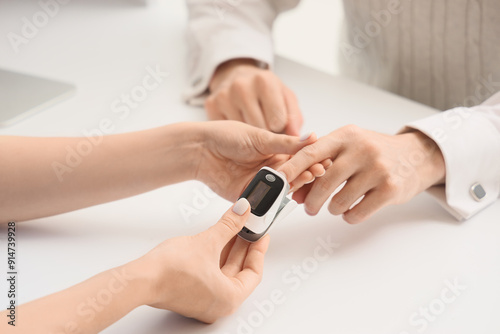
[[241, 206], [324, 172], [309, 213], [310, 181], [305, 136], [292, 189]]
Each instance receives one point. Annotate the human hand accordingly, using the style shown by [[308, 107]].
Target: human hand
[[241, 91], [233, 152], [208, 275], [384, 169], [205, 276]]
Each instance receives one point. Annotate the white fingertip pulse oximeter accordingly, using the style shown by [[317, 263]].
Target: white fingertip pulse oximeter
[[267, 195]]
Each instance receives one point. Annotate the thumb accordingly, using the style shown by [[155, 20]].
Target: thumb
[[230, 223], [272, 143]]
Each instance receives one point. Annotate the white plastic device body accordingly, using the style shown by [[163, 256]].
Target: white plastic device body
[[258, 225]]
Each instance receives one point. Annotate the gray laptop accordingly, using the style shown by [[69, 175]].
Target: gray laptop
[[22, 95]]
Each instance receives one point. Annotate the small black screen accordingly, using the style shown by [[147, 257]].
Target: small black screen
[[257, 194], [262, 193]]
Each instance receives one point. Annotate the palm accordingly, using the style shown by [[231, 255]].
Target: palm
[[232, 158], [233, 175]]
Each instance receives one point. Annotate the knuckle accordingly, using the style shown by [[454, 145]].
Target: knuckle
[[390, 186], [277, 121], [339, 203], [310, 152], [262, 78], [381, 169], [351, 130], [230, 223], [222, 95], [369, 146], [261, 138], [265, 138], [239, 86], [325, 184], [372, 153], [341, 164]]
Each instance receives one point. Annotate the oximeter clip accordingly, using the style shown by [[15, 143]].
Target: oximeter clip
[[267, 195]]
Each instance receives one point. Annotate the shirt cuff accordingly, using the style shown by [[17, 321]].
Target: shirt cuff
[[470, 145], [226, 46]]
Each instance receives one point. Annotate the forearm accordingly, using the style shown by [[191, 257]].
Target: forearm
[[87, 307], [46, 176], [219, 31], [469, 139]]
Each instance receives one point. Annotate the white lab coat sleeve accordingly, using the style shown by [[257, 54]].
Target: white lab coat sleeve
[[469, 139], [220, 30]]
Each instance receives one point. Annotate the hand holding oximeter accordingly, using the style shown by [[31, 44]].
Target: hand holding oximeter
[[267, 195]]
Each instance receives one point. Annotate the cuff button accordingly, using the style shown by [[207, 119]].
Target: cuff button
[[477, 192]]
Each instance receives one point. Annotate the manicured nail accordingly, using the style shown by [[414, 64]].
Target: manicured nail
[[241, 206], [292, 189], [309, 212], [305, 136], [311, 180], [324, 172]]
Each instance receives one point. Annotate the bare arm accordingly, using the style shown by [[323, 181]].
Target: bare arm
[[205, 276], [46, 176]]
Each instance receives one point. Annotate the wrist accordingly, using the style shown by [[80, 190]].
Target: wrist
[[139, 281], [428, 159], [154, 273], [181, 144], [204, 158]]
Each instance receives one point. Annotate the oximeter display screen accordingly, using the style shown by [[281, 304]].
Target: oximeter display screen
[[263, 191], [257, 195]]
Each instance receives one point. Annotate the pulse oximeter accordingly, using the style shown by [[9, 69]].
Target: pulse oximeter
[[267, 195]]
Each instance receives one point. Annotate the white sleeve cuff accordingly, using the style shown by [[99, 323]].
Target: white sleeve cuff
[[225, 45], [470, 145]]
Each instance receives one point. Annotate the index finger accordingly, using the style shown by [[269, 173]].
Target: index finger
[[307, 157], [267, 142]]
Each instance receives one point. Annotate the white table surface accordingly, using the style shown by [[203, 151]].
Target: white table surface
[[382, 272]]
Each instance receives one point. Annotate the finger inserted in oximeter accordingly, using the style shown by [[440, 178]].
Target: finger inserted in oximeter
[[267, 195]]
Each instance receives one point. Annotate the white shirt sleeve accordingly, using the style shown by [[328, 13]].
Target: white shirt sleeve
[[469, 139], [221, 30]]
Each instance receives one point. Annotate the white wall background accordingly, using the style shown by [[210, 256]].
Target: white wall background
[[309, 34]]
